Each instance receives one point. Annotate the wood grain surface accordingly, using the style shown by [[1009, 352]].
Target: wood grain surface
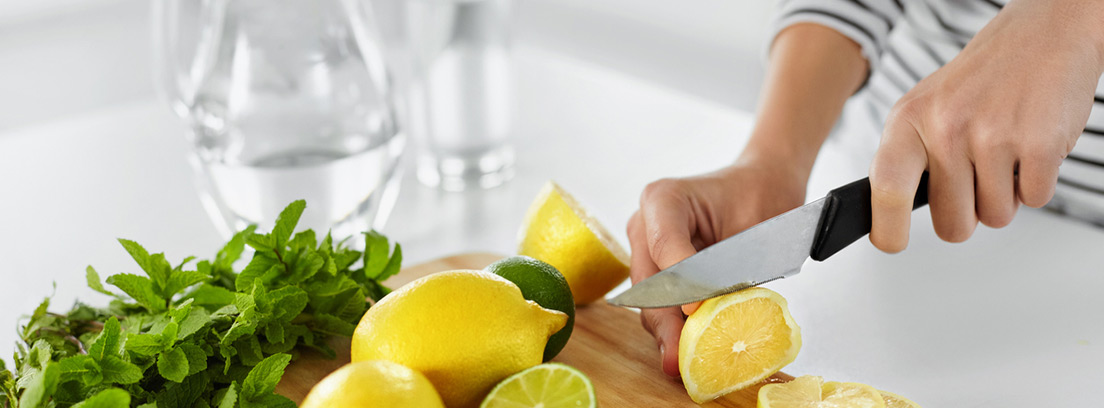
[[608, 344]]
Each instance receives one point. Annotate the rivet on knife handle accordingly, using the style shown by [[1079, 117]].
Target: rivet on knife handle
[[847, 216]]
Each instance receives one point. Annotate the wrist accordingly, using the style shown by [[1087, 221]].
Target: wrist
[[782, 170]]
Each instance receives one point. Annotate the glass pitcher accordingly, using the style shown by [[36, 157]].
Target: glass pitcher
[[284, 100]]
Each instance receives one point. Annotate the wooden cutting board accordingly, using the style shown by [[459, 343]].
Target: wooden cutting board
[[608, 344]]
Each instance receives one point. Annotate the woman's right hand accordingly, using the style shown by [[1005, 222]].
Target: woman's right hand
[[681, 216]]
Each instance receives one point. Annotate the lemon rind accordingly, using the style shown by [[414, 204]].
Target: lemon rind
[[604, 236]]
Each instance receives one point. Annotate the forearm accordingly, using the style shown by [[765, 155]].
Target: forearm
[[813, 70]]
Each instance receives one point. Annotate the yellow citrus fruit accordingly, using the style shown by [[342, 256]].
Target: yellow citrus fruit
[[736, 340], [810, 391], [896, 401], [373, 383], [465, 330], [557, 230]]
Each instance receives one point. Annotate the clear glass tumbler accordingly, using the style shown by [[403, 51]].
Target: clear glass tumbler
[[461, 96], [285, 100]]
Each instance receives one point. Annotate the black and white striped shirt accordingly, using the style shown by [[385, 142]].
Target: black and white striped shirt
[[906, 40]]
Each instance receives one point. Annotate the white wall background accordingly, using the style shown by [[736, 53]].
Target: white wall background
[[64, 57]]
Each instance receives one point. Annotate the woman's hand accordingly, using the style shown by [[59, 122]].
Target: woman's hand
[[812, 72], [679, 217], [993, 125]]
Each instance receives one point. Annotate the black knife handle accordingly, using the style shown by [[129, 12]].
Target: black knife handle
[[846, 216]]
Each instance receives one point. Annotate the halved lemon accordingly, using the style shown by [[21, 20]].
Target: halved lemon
[[896, 401], [736, 340], [810, 391], [550, 385], [557, 230]]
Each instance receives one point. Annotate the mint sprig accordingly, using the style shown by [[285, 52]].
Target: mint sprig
[[205, 335]]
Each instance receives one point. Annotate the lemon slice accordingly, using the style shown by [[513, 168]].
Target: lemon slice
[[896, 401], [734, 341], [557, 230], [810, 391], [550, 385]]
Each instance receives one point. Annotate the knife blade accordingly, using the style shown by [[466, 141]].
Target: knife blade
[[771, 250]]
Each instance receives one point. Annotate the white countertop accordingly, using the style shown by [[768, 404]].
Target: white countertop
[[1011, 318]]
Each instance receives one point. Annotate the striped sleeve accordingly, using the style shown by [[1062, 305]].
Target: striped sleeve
[[867, 22]]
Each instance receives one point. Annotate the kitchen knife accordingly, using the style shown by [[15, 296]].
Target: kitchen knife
[[773, 249]]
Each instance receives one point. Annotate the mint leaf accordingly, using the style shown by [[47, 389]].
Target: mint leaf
[[152, 267], [328, 324], [41, 385], [262, 379], [181, 280], [256, 269], [274, 332], [303, 239], [197, 358], [93, 279], [140, 289], [197, 319], [183, 394], [173, 365], [107, 343], [116, 370], [393, 265], [378, 265], [147, 345], [286, 302], [376, 248], [80, 367], [233, 249], [305, 267], [286, 221], [269, 401], [230, 398], [109, 398], [211, 297]]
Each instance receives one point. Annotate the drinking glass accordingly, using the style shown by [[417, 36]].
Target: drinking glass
[[284, 100], [461, 95]]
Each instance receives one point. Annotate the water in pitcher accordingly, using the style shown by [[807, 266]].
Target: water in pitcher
[[287, 106]]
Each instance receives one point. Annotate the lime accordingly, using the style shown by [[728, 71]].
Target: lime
[[549, 385], [541, 283]]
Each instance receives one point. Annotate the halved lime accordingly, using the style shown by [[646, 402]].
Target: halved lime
[[549, 385]]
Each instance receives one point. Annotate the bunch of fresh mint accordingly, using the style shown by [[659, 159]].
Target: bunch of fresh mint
[[208, 337]]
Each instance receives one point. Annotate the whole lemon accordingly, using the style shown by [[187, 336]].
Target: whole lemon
[[465, 330], [373, 383]]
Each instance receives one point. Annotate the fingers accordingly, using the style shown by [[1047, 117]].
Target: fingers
[[1037, 178], [951, 198], [668, 222], [689, 308], [894, 176], [995, 189], [664, 324]]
